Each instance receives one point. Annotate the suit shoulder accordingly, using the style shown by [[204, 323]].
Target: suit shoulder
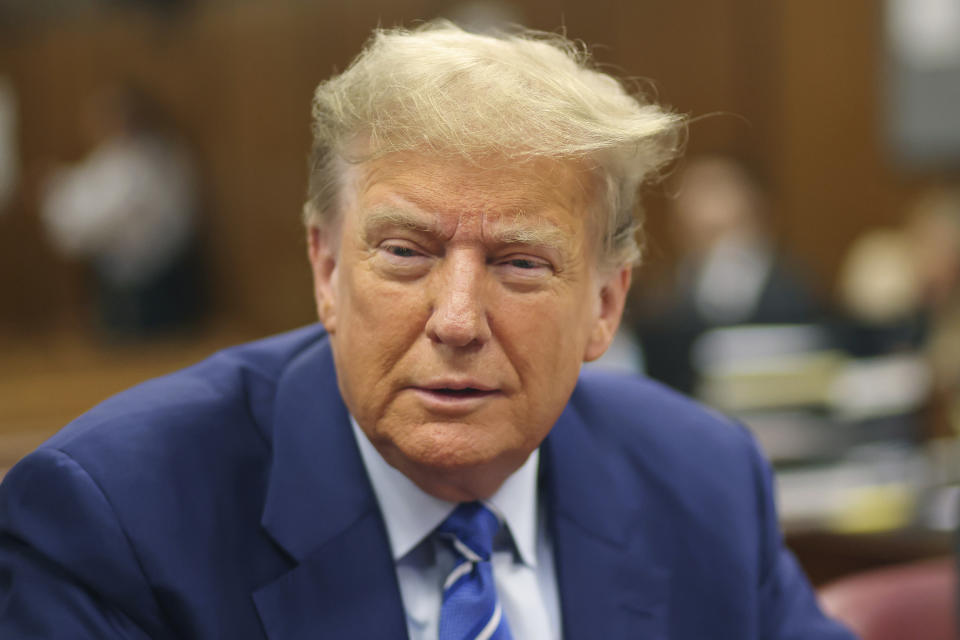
[[231, 390], [694, 466], [625, 401], [646, 421]]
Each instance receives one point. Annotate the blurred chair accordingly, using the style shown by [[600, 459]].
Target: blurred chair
[[916, 601]]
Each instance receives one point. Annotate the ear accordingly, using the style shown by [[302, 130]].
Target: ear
[[609, 309], [322, 251]]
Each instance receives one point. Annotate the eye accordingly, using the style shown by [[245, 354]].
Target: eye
[[524, 268], [400, 251], [397, 258], [524, 263]]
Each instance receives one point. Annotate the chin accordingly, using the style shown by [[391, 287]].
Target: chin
[[455, 448]]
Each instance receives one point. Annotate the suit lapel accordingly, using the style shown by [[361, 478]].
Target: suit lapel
[[321, 510], [609, 579]]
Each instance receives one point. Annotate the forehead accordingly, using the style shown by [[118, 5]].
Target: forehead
[[557, 192]]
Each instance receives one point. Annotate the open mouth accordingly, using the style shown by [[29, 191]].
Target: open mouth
[[468, 392], [455, 399]]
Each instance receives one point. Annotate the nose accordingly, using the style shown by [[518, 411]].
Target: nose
[[458, 317]]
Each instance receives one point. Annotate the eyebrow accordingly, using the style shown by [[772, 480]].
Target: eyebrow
[[519, 231], [390, 216], [516, 230]]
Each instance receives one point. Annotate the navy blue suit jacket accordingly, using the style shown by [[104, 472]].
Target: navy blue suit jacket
[[229, 500]]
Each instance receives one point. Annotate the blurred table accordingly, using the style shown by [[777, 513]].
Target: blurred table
[[880, 505], [826, 556]]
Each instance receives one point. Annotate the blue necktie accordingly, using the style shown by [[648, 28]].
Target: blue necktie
[[470, 609]]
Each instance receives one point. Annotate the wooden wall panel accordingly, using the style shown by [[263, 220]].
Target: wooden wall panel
[[239, 82], [835, 177], [790, 84]]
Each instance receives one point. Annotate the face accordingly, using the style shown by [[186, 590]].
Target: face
[[715, 201], [461, 300]]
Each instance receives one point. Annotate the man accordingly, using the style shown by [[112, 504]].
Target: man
[[732, 272], [130, 207], [429, 465]]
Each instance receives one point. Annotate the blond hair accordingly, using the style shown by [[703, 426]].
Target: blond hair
[[440, 90]]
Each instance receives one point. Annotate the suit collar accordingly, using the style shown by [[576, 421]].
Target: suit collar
[[321, 510], [610, 580], [308, 498], [410, 514]]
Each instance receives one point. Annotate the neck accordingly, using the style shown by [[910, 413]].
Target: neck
[[458, 485]]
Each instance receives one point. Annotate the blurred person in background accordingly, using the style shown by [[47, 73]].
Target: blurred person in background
[[899, 290], [731, 271], [430, 462], [933, 227], [130, 207], [880, 297]]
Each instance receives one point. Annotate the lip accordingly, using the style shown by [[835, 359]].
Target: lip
[[455, 396], [455, 384]]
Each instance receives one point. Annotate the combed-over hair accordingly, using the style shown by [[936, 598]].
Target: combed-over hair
[[440, 90]]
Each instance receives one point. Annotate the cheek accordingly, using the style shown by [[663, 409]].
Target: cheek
[[545, 341], [377, 324], [380, 310]]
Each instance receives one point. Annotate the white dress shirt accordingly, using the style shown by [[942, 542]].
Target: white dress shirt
[[523, 566], [730, 281], [131, 205]]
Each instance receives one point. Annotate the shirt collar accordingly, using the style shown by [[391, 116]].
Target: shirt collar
[[411, 515]]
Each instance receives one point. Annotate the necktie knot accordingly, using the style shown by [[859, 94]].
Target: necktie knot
[[471, 527]]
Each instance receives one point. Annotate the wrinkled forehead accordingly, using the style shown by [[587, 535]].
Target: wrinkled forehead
[[502, 192]]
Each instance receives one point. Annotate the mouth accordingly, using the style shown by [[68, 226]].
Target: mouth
[[460, 392], [455, 396]]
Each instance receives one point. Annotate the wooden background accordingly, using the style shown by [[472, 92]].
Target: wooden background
[[792, 85]]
